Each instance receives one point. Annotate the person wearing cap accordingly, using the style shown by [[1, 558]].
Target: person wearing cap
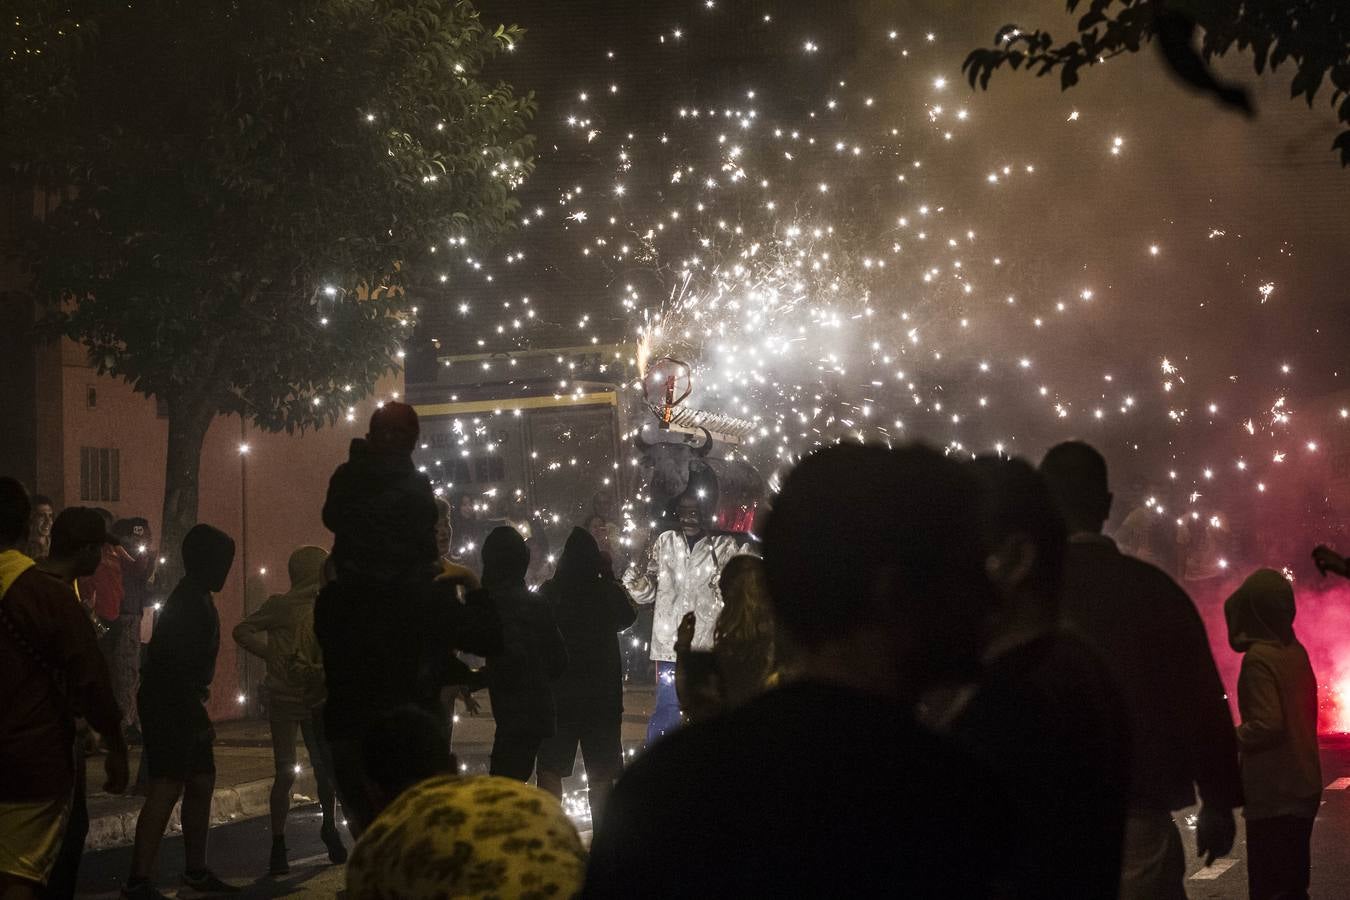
[[175, 685], [50, 672], [76, 541]]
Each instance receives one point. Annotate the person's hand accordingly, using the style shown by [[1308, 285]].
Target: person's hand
[[684, 636], [1328, 560], [471, 704], [116, 767], [1214, 833]]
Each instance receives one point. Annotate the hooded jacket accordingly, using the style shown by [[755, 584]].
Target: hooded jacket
[[180, 661], [1277, 701], [382, 513], [590, 610], [686, 581], [281, 630]]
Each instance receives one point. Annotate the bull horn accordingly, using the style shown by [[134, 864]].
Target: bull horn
[[707, 443]]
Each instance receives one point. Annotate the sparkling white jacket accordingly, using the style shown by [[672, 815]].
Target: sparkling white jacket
[[685, 580]]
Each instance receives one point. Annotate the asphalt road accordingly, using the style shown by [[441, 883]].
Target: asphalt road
[[239, 852]]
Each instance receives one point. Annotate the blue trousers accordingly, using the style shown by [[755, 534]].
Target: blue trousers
[[666, 717]]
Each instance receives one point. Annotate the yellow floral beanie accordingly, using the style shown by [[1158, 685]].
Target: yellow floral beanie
[[468, 837]]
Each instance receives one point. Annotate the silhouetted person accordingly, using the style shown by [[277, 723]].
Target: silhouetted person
[[1045, 715], [1281, 770], [746, 655], [1328, 560], [590, 609], [532, 655], [281, 632], [876, 572], [405, 745], [1152, 639], [50, 672], [175, 686], [381, 510], [391, 611]]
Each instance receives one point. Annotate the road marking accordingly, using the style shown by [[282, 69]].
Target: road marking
[[312, 860], [1209, 873], [1339, 784]]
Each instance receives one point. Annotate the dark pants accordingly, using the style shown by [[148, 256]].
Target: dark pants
[[513, 755], [61, 884], [349, 777], [1279, 857]]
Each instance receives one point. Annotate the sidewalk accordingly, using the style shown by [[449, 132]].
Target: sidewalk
[[243, 753]]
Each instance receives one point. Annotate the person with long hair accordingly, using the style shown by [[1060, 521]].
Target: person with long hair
[[591, 608], [745, 658]]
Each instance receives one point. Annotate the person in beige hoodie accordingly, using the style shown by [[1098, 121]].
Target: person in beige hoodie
[[1277, 737], [281, 631]]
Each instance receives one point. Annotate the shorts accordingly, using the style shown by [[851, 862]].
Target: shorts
[[173, 750], [33, 831], [601, 748]]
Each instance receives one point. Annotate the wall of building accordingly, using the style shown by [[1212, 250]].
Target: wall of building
[[268, 499]]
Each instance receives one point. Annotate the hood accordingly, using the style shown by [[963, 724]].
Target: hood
[[208, 554], [1260, 611], [581, 560], [306, 571]]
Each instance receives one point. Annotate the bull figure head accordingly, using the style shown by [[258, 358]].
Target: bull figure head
[[670, 464]]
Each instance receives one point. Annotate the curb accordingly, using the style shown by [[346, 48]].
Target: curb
[[247, 800]]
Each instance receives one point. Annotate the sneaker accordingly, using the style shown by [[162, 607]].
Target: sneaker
[[206, 882], [142, 891], [278, 864], [337, 853]]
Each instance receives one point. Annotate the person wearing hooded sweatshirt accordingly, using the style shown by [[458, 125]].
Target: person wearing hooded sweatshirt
[[532, 655], [175, 684], [591, 608], [281, 631], [1277, 738]]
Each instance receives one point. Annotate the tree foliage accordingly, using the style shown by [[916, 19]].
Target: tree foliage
[[247, 187], [247, 193], [1312, 34]]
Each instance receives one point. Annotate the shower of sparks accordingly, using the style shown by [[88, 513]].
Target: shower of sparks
[[808, 259]]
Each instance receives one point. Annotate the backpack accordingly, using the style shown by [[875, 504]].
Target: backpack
[[304, 667]]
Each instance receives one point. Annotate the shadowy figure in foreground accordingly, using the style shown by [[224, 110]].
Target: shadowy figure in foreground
[[1152, 639], [1045, 715], [828, 786], [590, 609], [51, 671], [1281, 770], [532, 655]]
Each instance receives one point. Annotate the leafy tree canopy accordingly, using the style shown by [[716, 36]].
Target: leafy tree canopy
[[246, 190], [1313, 34]]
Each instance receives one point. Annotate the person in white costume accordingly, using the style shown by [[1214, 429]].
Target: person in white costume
[[681, 577]]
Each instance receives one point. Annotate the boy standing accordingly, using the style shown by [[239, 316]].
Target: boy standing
[[1277, 701], [175, 684]]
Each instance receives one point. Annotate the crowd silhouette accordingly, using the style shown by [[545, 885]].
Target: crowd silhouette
[[931, 677]]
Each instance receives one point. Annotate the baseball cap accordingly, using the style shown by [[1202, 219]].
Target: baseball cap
[[76, 526]]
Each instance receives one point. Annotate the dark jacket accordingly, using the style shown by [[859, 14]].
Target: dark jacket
[[532, 655], [382, 513], [376, 642], [1048, 719], [1277, 701], [180, 661], [37, 718], [1152, 639], [589, 615]]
